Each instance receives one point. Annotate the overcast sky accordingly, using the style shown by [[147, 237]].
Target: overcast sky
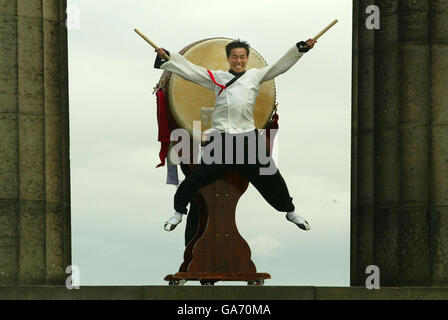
[[120, 200]]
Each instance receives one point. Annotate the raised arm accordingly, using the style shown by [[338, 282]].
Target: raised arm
[[287, 61], [177, 64]]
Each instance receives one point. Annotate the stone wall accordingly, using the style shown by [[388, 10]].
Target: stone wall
[[399, 217], [35, 239]]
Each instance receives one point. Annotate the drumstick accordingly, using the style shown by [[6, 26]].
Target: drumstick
[[150, 42], [325, 30]]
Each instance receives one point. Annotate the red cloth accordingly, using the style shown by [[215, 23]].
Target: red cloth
[[219, 85], [164, 128]]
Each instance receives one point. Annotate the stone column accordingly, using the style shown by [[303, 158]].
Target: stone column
[[35, 239], [399, 207]]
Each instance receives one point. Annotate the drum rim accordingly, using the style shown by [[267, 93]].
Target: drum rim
[[167, 80]]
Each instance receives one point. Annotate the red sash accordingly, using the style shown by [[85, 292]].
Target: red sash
[[219, 85]]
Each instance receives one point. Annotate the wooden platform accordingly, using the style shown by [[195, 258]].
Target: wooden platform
[[251, 278]]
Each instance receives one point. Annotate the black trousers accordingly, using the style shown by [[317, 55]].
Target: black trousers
[[271, 186]]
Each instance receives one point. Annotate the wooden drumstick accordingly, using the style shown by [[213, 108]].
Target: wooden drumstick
[[150, 42], [325, 30]]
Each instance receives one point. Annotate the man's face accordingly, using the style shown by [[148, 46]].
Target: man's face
[[237, 60]]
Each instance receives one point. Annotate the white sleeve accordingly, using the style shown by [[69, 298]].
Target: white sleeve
[[188, 71], [281, 66]]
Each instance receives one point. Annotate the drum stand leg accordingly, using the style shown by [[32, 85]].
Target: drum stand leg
[[218, 252]]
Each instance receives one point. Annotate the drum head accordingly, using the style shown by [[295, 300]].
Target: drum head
[[186, 98]]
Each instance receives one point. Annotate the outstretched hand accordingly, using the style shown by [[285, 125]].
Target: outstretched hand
[[160, 52], [310, 43]]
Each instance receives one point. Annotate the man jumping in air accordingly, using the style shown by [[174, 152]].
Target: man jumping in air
[[236, 91]]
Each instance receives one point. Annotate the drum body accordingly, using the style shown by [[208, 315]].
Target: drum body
[[186, 99]]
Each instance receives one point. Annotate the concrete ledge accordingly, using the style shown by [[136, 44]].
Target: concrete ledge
[[220, 293]]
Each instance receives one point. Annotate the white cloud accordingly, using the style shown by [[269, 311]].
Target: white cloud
[[263, 246]]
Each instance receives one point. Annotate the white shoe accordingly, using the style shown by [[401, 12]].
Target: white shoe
[[172, 222], [298, 221]]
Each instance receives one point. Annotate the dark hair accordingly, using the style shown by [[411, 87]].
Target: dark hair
[[237, 44]]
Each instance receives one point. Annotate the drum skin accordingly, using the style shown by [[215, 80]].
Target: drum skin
[[185, 99]]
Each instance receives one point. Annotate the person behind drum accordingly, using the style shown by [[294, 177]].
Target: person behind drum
[[230, 100]]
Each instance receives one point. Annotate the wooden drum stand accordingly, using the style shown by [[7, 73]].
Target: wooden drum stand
[[218, 252]]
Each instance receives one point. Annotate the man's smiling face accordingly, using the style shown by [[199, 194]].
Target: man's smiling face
[[237, 60]]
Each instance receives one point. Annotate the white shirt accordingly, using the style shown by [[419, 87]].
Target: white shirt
[[234, 107]]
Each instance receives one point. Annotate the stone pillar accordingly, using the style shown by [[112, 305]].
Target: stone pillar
[[35, 239], [399, 212]]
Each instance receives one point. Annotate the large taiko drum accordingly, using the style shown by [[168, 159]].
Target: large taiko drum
[[188, 102]]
